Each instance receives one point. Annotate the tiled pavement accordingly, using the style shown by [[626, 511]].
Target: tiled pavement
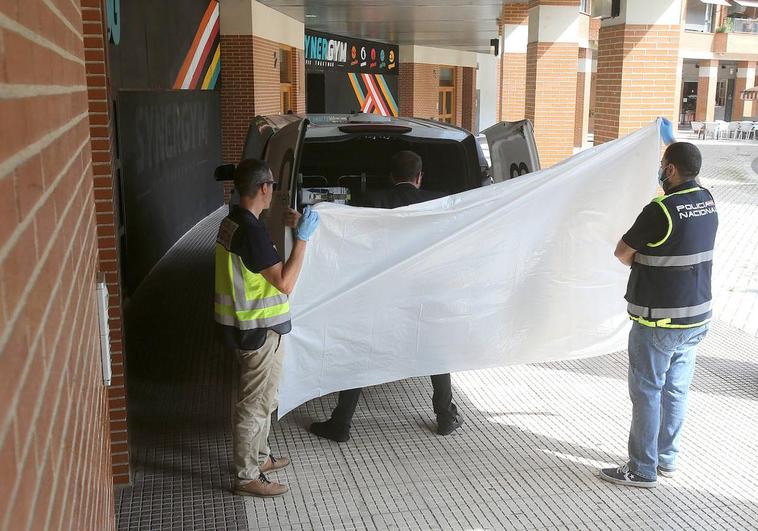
[[525, 459]]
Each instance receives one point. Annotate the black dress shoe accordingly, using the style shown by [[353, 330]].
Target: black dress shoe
[[331, 430], [446, 427]]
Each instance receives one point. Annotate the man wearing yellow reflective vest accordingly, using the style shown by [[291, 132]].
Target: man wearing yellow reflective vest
[[670, 251], [251, 309]]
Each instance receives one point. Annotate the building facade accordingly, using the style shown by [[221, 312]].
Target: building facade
[[690, 60]]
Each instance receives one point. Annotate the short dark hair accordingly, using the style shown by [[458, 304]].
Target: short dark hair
[[406, 165], [250, 174], [685, 157]]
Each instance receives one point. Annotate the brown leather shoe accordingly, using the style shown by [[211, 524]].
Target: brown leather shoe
[[261, 488], [273, 464]]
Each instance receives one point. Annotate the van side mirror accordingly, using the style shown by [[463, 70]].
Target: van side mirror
[[224, 172]]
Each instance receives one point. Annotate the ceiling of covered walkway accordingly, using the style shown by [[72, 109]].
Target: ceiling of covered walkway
[[459, 24]]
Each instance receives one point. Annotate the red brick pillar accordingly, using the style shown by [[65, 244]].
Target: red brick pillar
[[708, 71], [583, 83], [637, 67], [745, 80], [418, 84], [512, 64], [298, 81], [106, 206], [551, 64], [251, 36], [468, 99], [55, 461]]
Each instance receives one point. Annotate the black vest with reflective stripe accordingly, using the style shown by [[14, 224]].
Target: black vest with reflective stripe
[[670, 282]]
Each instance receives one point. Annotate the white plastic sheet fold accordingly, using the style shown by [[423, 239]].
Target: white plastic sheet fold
[[518, 272]]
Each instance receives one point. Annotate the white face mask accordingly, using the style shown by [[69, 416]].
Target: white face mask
[[662, 178]]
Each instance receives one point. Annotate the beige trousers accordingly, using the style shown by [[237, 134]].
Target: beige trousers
[[260, 371]]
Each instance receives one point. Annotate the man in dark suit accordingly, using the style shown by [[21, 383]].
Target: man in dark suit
[[406, 177]]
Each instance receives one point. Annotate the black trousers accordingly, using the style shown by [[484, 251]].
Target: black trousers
[[442, 401]]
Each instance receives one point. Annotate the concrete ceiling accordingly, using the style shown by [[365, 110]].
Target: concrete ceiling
[[458, 24]]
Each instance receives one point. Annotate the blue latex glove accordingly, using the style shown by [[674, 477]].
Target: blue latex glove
[[308, 224], [667, 131]]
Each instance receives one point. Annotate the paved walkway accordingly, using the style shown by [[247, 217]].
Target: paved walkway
[[525, 459]]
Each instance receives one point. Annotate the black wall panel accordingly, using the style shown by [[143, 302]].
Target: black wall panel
[[155, 38], [168, 142], [170, 145]]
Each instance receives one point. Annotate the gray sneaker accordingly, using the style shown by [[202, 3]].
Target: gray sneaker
[[666, 472], [623, 476]]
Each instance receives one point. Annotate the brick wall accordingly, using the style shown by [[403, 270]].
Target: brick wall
[[237, 91], [106, 201], [513, 69], [581, 79], [298, 81], [515, 14], [267, 98], [469, 99], [417, 87], [54, 447], [550, 98], [250, 86], [636, 77], [513, 94], [706, 91], [458, 120]]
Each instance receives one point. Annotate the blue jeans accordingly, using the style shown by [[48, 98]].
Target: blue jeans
[[661, 365]]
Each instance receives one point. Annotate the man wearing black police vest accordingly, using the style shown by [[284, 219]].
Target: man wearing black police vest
[[670, 250]]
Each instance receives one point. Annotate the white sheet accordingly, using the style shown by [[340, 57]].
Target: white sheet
[[518, 272]]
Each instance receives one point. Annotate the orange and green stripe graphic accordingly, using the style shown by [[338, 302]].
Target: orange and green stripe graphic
[[194, 62], [377, 98], [211, 76]]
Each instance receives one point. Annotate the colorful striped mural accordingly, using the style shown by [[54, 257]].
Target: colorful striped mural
[[377, 97], [206, 38]]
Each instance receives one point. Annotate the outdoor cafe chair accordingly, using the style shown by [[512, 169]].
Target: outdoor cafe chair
[[746, 130], [711, 129], [732, 129]]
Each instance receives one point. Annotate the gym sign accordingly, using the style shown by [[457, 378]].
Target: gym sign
[[318, 48], [324, 51]]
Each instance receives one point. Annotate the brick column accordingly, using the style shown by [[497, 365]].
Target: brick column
[[417, 86], [745, 80], [512, 64], [583, 85], [468, 98], [298, 81], [54, 421], [706, 90], [638, 54], [251, 35], [106, 206], [551, 76]]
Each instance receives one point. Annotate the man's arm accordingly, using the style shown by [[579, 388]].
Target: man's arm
[[624, 253], [284, 276]]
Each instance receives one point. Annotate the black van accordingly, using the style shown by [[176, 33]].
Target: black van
[[326, 157]]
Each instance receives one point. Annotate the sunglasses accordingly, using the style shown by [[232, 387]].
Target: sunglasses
[[274, 184]]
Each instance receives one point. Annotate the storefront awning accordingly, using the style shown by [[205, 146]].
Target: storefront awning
[[750, 94], [747, 3], [717, 2]]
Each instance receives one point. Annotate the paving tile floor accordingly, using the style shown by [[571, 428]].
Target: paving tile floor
[[526, 458]]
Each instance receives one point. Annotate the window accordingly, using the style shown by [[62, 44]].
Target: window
[[285, 80], [721, 93], [446, 95], [584, 6]]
